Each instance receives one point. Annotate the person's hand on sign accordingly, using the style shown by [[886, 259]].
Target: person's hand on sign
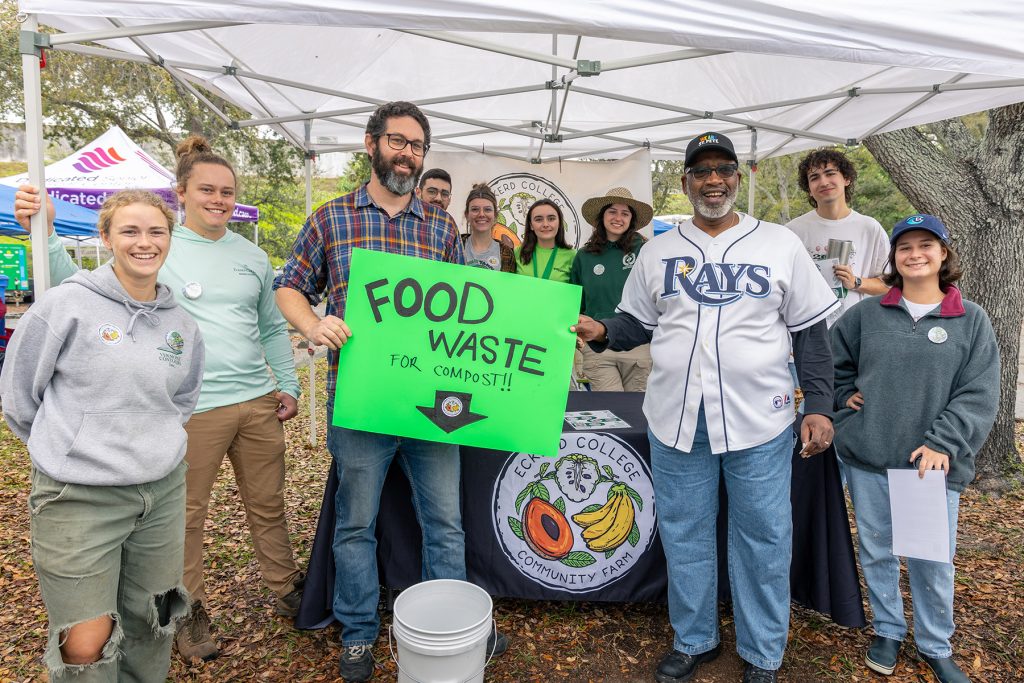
[[815, 434], [846, 276], [288, 408], [27, 204], [587, 329], [928, 459], [330, 331]]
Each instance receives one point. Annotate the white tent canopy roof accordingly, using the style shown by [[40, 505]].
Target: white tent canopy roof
[[512, 77]]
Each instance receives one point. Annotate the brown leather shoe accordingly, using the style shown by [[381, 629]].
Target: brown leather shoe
[[193, 638]]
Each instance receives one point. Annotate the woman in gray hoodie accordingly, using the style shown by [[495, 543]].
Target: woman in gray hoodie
[[100, 376]]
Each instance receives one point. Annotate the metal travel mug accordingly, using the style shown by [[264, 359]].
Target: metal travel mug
[[840, 249]]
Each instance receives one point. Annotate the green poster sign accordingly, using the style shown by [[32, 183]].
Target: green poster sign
[[14, 264], [456, 354]]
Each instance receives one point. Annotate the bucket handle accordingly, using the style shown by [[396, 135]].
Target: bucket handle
[[394, 657]]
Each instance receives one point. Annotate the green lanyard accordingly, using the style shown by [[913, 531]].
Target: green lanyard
[[548, 267]]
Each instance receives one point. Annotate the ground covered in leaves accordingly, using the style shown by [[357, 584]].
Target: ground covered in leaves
[[551, 641]]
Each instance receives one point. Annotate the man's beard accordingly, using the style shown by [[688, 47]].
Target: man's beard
[[702, 209], [396, 184]]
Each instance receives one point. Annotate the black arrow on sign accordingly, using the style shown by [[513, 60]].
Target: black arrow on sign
[[451, 410]]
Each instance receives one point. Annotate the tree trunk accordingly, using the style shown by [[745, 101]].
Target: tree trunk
[[975, 186]]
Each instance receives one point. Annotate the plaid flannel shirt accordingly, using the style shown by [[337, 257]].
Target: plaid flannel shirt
[[322, 252]]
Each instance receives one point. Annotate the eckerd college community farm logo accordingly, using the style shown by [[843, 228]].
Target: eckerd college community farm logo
[[516, 192], [579, 521]]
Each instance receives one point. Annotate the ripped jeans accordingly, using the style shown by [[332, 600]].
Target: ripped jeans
[[114, 551]]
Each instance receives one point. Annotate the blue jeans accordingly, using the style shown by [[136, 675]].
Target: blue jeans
[[362, 460], [931, 583], [760, 542]]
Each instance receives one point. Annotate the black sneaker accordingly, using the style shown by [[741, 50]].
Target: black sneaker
[[678, 667], [755, 674], [497, 644], [356, 664], [882, 655], [945, 670]]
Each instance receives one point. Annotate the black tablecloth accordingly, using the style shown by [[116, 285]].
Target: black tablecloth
[[823, 574]]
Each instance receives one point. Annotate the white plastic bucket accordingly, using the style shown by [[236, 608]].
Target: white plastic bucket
[[441, 629]]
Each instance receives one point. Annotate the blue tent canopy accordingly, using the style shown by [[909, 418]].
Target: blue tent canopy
[[72, 220]]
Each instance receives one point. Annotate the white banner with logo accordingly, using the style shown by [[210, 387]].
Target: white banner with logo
[[518, 184]]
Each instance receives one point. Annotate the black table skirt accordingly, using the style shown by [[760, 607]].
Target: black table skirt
[[823, 574]]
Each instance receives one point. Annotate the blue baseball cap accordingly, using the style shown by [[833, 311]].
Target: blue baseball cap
[[920, 221]]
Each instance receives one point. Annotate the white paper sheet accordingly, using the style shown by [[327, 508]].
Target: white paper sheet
[[920, 520], [826, 268], [586, 420]]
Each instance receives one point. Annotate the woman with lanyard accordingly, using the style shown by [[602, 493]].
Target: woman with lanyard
[[479, 246], [916, 386], [101, 374], [544, 252], [225, 282], [601, 268]]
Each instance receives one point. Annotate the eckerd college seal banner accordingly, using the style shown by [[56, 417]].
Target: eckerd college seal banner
[[518, 184], [449, 353]]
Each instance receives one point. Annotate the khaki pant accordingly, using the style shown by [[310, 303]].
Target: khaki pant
[[253, 439], [617, 370]]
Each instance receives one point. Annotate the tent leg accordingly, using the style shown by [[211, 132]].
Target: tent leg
[[256, 234], [34, 148], [78, 255], [752, 185], [312, 365]]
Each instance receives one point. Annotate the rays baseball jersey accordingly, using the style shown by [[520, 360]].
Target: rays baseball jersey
[[721, 310]]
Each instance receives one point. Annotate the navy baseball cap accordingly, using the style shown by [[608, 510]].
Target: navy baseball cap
[[920, 221], [706, 142]]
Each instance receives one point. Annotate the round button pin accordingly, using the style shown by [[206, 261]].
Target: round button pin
[[599, 269], [937, 335], [192, 290]]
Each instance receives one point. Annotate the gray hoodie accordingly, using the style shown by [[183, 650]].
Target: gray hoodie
[[99, 385]]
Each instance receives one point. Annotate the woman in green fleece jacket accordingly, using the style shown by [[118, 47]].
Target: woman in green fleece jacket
[[916, 385], [225, 282]]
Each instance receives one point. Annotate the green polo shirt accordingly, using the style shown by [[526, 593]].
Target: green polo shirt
[[602, 277]]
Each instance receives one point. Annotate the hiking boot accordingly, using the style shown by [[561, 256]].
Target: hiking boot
[[356, 664], [755, 674], [497, 643], [288, 606], [945, 670], [193, 638], [882, 655], [678, 667]]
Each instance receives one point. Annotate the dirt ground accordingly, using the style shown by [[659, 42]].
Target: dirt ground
[[550, 641]]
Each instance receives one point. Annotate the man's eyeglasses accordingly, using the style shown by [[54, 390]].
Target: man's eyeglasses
[[723, 171], [399, 142], [434, 193]]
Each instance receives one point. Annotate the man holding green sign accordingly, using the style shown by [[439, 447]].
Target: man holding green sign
[[382, 216]]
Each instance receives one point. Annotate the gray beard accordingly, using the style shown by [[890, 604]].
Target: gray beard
[[713, 213], [394, 183]]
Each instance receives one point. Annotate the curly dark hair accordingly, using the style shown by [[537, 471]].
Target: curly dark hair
[[599, 238], [530, 237], [376, 125], [949, 272], [820, 158]]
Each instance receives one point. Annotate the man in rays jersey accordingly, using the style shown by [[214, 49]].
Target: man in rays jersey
[[720, 299]]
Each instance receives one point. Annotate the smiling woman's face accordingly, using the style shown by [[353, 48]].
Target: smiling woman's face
[[208, 199]]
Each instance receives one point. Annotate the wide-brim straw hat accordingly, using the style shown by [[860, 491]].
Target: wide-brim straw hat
[[617, 195]]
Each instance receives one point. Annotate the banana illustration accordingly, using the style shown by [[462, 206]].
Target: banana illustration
[[602, 526], [618, 531], [586, 519], [608, 527]]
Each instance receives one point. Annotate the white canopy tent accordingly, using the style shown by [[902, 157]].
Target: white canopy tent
[[547, 81]]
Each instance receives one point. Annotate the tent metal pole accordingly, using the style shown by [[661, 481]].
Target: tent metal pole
[[78, 254], [256, 233], [369, 108], [631, 126], [312, 364], [752, 185], [31, 53], [493, 47], [910, 107], [140, 30], [646, 60]]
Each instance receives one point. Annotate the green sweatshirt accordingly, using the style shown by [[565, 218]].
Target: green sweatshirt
[[241, 325], [602, 277]]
